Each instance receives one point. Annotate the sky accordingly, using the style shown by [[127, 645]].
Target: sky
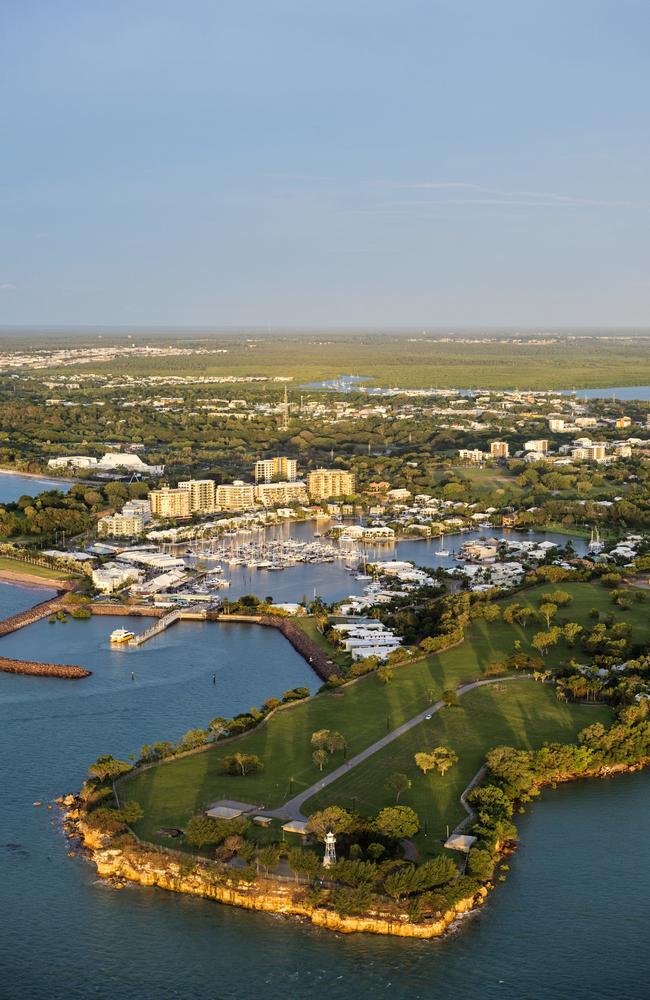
[[421, 163]]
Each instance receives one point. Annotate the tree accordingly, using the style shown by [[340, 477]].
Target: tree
[[333, 818], [242, 764], [542, 641], [201, 830], [320, 758], [548, 612], [268, 857], [450, 697], [444, 758], [396, 784], [335, 741], [397, 822], [402, 882], [436, 872], [319, 738], [480, 864], [107, 768], [303, 862], [385, 674], [571, 631], [131, 811], [425, 761]]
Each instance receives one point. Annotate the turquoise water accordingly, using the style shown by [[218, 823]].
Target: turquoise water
[[569, 924], [13, 486]]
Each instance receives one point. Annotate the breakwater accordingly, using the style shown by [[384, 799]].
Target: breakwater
[[37, 669], [33, 614]]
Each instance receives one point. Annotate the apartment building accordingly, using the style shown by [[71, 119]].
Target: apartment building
[[235, 496], [589, 453], [325, 483], [556, 424], [499, 449], [202, 494], [622, 423], [280, 494], [121, 525], [273, 470], [472, 455], [168, 502], [540, 445]]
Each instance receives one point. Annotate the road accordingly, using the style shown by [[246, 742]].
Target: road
[[292, 809]]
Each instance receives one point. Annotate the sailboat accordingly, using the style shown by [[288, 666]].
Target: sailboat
[[595, 544], [442, 551]]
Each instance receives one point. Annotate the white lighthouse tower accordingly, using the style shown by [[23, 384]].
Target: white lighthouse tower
[[330, 850]]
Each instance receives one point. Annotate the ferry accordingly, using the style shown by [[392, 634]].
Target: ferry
[[120, 635]]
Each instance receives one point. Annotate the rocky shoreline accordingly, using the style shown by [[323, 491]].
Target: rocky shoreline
[[135, 862]]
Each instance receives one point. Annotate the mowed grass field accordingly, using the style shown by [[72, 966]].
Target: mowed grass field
[[39, 572], [363, 712], [518, 713]]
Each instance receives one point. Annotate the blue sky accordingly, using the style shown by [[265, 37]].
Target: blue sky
[[349, 162]]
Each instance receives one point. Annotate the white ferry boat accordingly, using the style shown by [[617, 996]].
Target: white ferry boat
[[120, 635]]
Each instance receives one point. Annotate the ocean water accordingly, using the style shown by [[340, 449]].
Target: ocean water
[[570, 923], [13, 486]]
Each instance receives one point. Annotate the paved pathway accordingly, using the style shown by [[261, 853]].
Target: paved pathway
[[293, 808]]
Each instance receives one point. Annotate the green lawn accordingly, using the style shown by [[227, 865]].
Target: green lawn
[[516, 713], [365, 711], [46, 572]]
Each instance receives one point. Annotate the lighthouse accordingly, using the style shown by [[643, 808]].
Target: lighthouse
[[330, 850]]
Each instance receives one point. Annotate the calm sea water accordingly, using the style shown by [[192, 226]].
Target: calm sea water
[[13, 486], [569, 924]]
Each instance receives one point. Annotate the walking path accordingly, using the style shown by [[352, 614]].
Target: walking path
[[293, 808]]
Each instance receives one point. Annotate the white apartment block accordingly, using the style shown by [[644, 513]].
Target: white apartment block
[[279, 469], [472, 455]]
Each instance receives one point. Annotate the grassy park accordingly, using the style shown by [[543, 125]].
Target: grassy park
[[524, 713], [521, 713], [21, 568]]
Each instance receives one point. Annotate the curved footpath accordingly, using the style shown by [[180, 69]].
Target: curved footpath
[[293, 808]]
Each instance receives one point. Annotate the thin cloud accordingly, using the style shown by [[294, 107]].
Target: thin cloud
[[482, 195], [7, 286]]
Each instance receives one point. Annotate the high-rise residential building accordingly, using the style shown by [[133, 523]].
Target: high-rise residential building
[[325, 483], [235, 496], [202, 494], [280, 494], [499, 449], [556, 424], [168, 502], [273, 470]]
